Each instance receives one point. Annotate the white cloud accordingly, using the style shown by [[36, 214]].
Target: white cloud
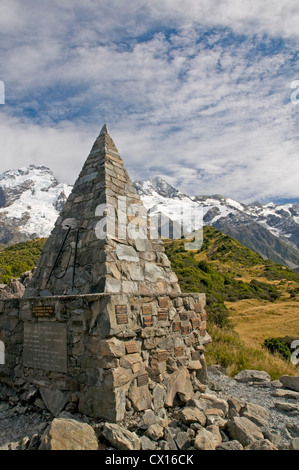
[[212, 114]]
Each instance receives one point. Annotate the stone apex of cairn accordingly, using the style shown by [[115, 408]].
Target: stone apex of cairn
[[104, 130]]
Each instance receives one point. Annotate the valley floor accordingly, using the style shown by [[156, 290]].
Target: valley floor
[[256, 320]]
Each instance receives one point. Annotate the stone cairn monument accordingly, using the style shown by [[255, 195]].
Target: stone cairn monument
[[103, 318]]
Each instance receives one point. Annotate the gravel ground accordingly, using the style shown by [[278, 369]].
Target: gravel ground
[[259, 394]]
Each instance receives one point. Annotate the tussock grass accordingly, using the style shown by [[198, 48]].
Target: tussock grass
[[230, 352]]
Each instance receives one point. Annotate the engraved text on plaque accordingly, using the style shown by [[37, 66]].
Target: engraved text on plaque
[[45, 346]]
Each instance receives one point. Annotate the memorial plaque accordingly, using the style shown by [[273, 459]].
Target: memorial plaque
[[142, 380], [148, 320], [120, 309], [184, 316], [162, 356], [147, 309], [163, 302], [176, 326], [197, 308], [131, 347], [45, 346], [43, 311], [185, 329], [122, 319], [162, 316], [179, 351], [196, 322]]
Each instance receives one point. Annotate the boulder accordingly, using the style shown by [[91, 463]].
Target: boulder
[[55, 400], [182, 440], [147, 444], [288, 407], [252, 376], [230, 445], [291, 382], [262, 444], [294, 444], [120, 438], [68, 434], [257, 414], [179, 382], [155, 432], [205, 440], [211, 401], [190, 415], [244, 431]]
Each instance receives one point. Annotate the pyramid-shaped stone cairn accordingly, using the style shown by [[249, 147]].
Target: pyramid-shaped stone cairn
[[103, 318], [103, 240]]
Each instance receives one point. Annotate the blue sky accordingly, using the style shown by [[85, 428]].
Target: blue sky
[[197, 92]]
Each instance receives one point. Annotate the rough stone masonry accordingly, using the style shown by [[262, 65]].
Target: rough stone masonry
[[103, 318]]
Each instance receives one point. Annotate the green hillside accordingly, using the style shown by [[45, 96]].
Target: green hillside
[[227, 272], [249, 299], [16, 259]]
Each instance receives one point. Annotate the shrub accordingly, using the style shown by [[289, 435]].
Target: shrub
[[278, 345]]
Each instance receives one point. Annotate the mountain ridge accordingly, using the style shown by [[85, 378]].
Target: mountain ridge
[[271, 230]]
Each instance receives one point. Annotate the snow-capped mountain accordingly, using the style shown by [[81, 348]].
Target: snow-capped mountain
[[270, 229], [30, 201]]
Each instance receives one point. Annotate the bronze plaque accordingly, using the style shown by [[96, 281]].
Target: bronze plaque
[[162, 356], [131, 347], [120, 309], [202, 332], [148, 320], [162, 316], [176, 326], [147, 309], [122, 319], [179, 351], [197, 308], [43, 311], [184, 316], [163, 302], [45, 346], [142, 380], [185, 329], [196, 323]]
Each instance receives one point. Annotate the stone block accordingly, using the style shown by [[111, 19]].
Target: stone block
[[68, 434]]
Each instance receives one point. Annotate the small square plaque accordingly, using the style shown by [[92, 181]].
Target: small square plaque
[[176, 326], [179, 351], [185, 329], [147, 309], [162, 356], [122, 319], [131, 347], [162, 315], [148, 320], [184, 315], [142, 380], [163, 302], [120, 309], [43, 311]]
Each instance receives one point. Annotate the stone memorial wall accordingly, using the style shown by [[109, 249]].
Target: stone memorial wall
[[109, 349]]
